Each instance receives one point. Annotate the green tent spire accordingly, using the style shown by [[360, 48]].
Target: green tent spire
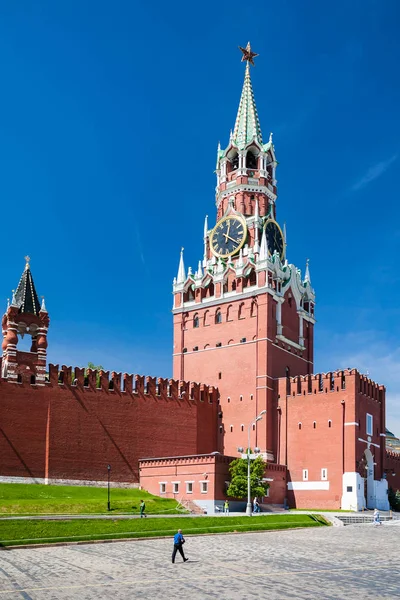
[[247, 126]]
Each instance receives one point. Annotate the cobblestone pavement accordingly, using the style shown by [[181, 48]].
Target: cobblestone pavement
[[358, 562]]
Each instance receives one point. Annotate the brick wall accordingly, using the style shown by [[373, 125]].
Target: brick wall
[[66, 431], [392, 468], [322, 425], [213, 469]]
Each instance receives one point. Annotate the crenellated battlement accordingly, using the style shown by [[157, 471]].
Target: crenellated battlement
[[393, 456], [132, 384], [334, 381]]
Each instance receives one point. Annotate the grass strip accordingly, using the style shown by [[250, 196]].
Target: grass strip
[[29, 499], [30, 532]]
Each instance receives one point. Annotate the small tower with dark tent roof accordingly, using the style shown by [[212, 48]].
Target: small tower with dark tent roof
[[25, 316]]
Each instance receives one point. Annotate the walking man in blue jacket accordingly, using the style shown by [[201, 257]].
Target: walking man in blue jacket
[[179, 540]]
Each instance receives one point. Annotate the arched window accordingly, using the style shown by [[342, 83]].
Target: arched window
[[299, 425], [287, 372], [253, 278], [235, 162], [33, 379], [253, 309], [209, 290], [240, 398], [254, 426], [242, 427], [206, 318], [241, 311], [315, 425], [229, 313], [218, 316], [329, 423], [188, 296], [251, 160], [231, 428], [196, 322]]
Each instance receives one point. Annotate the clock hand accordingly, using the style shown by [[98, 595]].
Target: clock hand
[[228, 237], [229, 226]]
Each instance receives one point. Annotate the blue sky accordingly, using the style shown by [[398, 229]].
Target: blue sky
[[110, 115]]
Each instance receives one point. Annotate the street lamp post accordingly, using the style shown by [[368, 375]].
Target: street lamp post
[[108, 487], [249, 512]]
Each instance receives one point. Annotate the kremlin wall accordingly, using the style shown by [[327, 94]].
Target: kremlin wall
[[69, 428]]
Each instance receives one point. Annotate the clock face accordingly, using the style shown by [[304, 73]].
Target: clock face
[[274, 238], [228, 236]]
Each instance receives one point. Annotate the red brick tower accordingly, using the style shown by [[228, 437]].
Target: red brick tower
[[25, 316], [246, 316]]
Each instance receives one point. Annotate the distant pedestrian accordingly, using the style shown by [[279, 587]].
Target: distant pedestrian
[[377, 517], [179, 540], [142, 509], [226, 507], [256, 505]]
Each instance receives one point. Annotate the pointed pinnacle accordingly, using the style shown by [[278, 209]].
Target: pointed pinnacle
[[240, 259], [264, 247], [199, 273], [181, 278], [307, 277], [43, 307], [205, 226], [13, 300]]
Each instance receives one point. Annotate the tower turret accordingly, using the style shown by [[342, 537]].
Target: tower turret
[[246, 317], [25, 316], [246, 167]]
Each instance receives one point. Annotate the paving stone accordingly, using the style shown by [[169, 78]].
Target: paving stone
[[359, 562]]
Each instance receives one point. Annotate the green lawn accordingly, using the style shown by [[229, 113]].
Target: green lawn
[[34, 531], [32, 499]]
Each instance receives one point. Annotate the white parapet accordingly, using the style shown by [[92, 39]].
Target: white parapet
[[353, 493]]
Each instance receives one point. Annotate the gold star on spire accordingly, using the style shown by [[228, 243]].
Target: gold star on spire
[[248, 54]]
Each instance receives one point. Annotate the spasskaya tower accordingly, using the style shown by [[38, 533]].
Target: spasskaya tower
[[245, 316]]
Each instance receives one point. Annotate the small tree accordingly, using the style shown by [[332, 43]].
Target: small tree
[[394, 499], [238, 485], [93, 367]]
